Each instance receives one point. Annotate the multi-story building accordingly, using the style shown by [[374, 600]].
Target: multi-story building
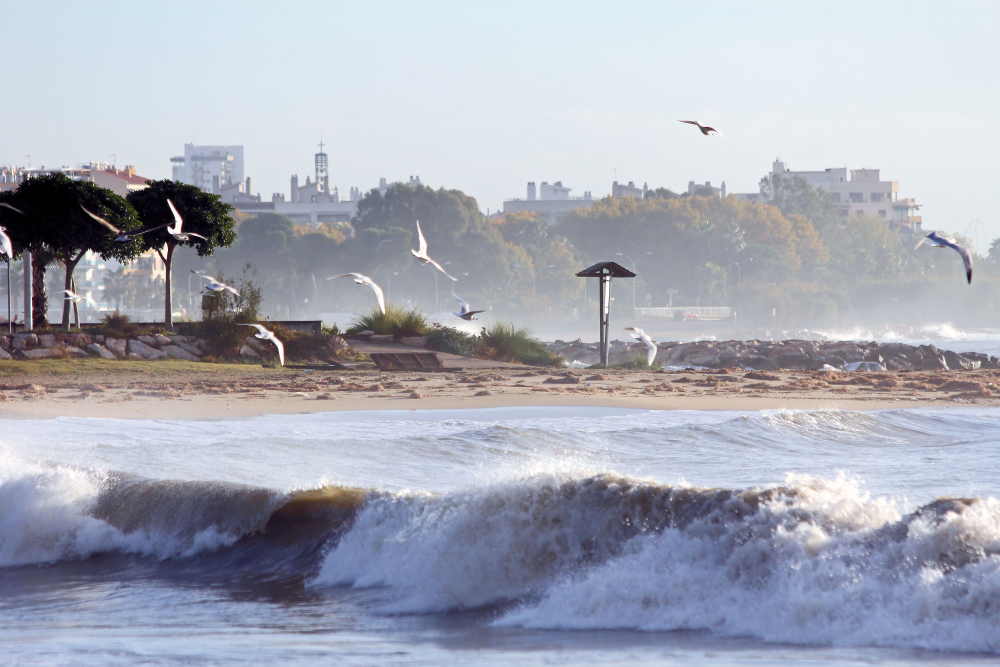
[[554, 203], [120, 181], [855, 192], [210, 168]]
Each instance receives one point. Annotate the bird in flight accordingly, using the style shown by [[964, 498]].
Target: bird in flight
[[463, 309], [269, 335], [6, 247], [365, 280], [639, 334], [422, 255], [215, 284], [5, 205], [76, 298], [936, 241], [175, 230], [705, 129], [121, 235]]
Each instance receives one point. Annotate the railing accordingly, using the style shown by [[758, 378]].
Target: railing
[[706, 313]]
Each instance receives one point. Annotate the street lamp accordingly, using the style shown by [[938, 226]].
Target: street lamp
[[634, 262]]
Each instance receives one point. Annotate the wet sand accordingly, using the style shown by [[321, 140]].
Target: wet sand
[[159, 390]]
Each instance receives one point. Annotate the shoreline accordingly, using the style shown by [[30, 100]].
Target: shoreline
[[167, 390]]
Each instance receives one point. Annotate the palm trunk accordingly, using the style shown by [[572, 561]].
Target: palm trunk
[[39, 303], [67, 305], [168, 318]]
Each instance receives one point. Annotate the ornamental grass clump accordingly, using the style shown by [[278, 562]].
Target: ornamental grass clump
[[395, 321], [502, 341]]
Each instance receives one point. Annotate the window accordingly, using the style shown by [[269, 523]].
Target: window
[[857, 197], [881, 213], [835, 197], [314, 197], [878, 196]]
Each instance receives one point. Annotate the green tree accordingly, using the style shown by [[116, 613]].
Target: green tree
[[55, 227], [203, 213]]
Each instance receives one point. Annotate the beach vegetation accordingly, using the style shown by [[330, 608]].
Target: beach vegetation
[[447, 339], [396, 321], [503, 341]]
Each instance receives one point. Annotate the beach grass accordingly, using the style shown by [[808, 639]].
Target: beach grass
[[148, 369]]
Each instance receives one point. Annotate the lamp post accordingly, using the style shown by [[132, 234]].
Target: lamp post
[[634, 262]]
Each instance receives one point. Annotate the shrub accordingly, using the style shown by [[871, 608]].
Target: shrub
[[503, 341], [453, 341], [635, 361], [395, 320], [118, 324]]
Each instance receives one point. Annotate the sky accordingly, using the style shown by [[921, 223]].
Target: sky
[[484, 97]]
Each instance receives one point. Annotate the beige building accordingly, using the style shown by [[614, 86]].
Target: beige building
[[856, 192]]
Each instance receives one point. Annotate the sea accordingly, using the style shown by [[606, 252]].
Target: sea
[[528, 536]]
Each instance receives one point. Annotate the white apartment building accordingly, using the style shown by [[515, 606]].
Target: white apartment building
[[855, 192], [120, 181], [554, 203], [210, 168]]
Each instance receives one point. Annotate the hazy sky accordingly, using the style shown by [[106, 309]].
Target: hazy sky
[[485, 97]]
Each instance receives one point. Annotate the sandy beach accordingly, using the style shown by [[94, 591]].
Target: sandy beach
[[178, 390]]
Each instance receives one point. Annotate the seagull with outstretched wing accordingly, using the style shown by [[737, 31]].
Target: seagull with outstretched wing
[[269, 335], [365, 280], [463, 309], [6, 247], [121, 235], [215, 284], [936, 241], [651, 346], [175, 230], [76, 298], [705, 129], [422, 255]]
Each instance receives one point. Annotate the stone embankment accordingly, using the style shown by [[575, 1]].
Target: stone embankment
[[786, 354], [70, 345]]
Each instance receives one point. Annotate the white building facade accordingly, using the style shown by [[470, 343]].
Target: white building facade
[[210, 168]]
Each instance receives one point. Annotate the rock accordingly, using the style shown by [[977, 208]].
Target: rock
[[955, 361], [77, 339], [143, 350], [100, 351], [177, 340], [99, 339], [247, 351], [707, 360], [190, 349], [793, 360], [133, 356], [117, 346], [203, 345], [161, 339], [177, 353], [49, 341], [148, 340], [364, 333], [414, 341], [4, 356], [22, 341], [386, 338], [74, 351], [43, 352]]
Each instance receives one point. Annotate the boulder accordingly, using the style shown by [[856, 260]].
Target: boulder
[[187, 347], [117, 346], [144, 351], [414, 341], [177, 353], [247, 351], [956, 361], [148, 340], [43, 352], [161, 339], [76, 339], [49, 341], [4, 356], [24, 340], [99, 339], [101, 351], [74, 351]]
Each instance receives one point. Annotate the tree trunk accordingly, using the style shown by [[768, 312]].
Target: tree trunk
[[168, 317], [68, 305], [76, 307], [39, 303]]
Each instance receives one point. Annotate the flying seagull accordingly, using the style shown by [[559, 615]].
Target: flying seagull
[[76, 298], [365, 280], [175, 231], [463, 310], [5, 245], [639, 334], [269, 335], [705, 129], [422, 255], [121, 236], [215, 284], [933, 239]]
